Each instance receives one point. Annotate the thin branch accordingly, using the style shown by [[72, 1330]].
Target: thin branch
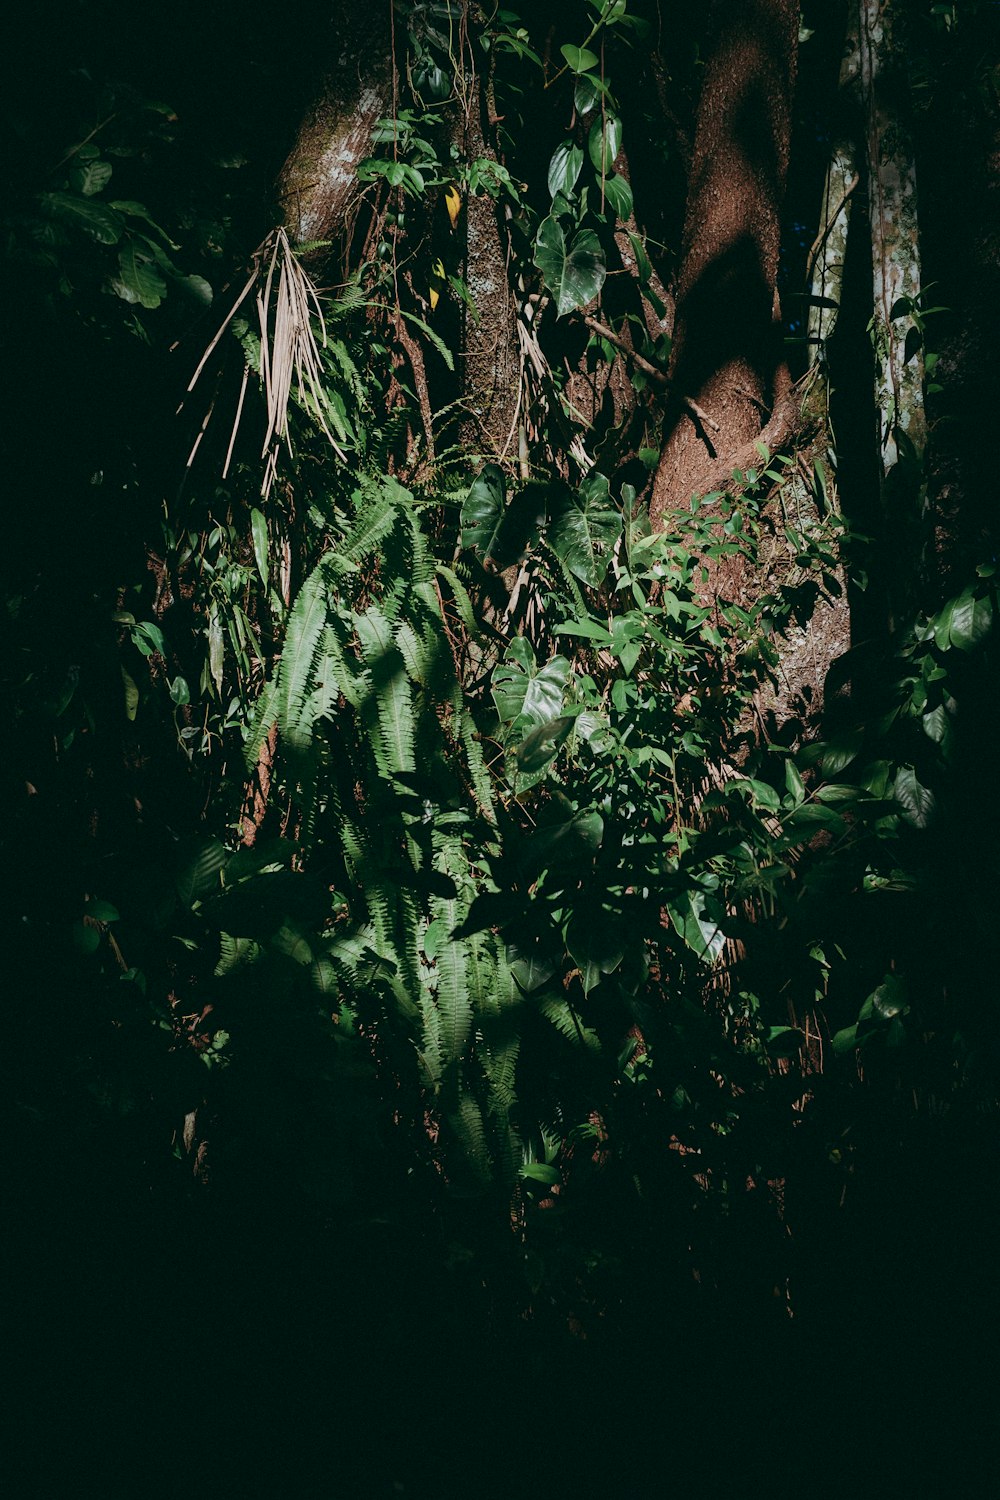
[[651, 370]]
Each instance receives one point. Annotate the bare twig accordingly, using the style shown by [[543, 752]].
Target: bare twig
[[651, 370]]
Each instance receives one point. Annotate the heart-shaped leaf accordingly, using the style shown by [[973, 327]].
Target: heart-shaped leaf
[[579, 59], [483, 510], [584, 527], [574, 272]]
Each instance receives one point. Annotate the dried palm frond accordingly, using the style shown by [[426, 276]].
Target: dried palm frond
[[287, 302]]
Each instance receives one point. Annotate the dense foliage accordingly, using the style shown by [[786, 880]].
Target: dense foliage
[[408, 835]]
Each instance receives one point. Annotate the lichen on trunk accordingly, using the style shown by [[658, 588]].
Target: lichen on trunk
[[892, 197]]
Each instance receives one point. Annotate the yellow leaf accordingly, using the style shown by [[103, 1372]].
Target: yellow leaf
[[437, 282], [453, 203]]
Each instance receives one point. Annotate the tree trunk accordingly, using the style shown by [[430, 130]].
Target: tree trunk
[[892, 199], [727, 352], [491, 371], [318, 181]]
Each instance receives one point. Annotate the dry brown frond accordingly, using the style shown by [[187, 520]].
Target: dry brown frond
[[286, 302]]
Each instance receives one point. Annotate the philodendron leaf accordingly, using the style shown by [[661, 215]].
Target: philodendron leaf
[[579, 59], [521, 691], [595, 944], [565, 167], [483, 510], [604, 143], [501, 532], [619, 195], [584, 527], [699, 931], [538, 747], [573, 271], [531, 961]]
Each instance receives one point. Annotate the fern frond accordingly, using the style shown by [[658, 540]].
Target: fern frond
[[373, 522], [558, 1010], [482, 782], [264, 716], [460, 594], [467, 1123], [299, 654], [388, 713]]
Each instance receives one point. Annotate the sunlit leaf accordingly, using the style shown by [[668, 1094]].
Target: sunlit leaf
[[574, 272]]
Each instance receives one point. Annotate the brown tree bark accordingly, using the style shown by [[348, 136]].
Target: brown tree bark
[[318, 181], [727, 354], [490, 355]]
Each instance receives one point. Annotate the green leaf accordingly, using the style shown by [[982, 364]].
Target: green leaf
[[839, 752], [258, 528], [131, 696], [216, 648], [133, 210], [565, 167], [86, 938], [578, 838], [846, 1040], [537, 1171], [199, 863], [595, 945], [546, 690], [102, 911], [794, 783], [971, 621], [140, 281], [604, 143], [148, 637], [198, 288], [618, 193], [482, 512], [579, 59], [701, 933], [92, 177], [888, 1000], [916, 800], [586, 92], [573, 273], [95, 219], [540, 745], [583, 529], [531, 962]]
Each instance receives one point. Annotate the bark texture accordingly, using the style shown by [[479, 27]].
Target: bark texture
[[892, 198], [317, 182], [490, 352], [828, 255], [727, 351]]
